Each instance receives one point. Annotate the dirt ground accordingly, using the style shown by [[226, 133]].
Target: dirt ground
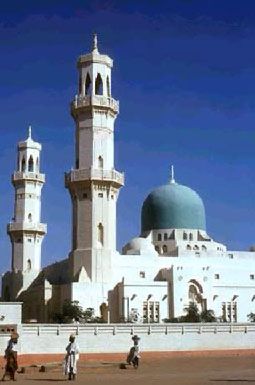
[[163, 370]]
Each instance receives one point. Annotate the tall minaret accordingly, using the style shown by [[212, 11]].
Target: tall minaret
[[26, 230], [94, 183]]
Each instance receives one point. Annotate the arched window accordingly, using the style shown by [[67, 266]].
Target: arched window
[[203, 248], [165, 237], [108, 86], [37, 164], [88, 86], [99, 85], [100, 162], [23, 165], [185, 236], [31, 164], [30, 217], [164, 249], [159, 237], [80, 85], [191, 237], [188, 247], [28, 264], [100, 233], [196, 247], [157, 249]]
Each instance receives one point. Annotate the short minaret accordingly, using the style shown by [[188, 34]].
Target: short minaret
[[94, 183], [26, 230]]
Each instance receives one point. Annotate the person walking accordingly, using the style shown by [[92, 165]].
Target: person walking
[[71, 358], [11, 356]]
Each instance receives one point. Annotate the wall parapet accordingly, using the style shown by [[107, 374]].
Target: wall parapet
[[117, 338], [131, 329]]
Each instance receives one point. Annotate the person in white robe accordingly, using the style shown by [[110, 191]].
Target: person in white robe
[[71, 358]]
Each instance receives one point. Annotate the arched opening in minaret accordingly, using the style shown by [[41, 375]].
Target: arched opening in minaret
[[37, 164], [29, 217], [80, 85], [100, 162], [31, 164], [99, 85], [100, 229], [29, 265], [88, 86], [23, 165], [108, 86]]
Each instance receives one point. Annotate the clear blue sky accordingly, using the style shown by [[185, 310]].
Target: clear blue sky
[[184, 73]]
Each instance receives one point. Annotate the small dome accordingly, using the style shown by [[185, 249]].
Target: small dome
[[173, 206]]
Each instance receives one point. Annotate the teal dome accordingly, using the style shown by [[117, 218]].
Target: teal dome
[[173, 206]]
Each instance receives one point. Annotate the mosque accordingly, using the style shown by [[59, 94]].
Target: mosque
[[171, 263]]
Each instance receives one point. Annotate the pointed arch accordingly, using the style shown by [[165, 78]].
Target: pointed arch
[[88, 85], [100, 229], [23, 164], [99, 85], [29, 217], [80, 85], [108, 86], [31, 164]]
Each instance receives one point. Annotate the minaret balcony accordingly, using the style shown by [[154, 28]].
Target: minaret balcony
[[95, 174], [95, 101], [34, 176], [27, 226]]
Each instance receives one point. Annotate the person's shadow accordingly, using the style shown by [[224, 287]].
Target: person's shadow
[[46, 379], [231, 380]]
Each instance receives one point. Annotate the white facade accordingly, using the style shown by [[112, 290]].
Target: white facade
[[171, 263]]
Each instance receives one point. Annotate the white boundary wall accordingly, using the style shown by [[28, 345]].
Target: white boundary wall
[[109, 338]]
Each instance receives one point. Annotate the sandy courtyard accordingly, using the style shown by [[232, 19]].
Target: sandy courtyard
[[164, 370]]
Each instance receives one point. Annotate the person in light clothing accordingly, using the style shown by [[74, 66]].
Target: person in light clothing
[[71, 358]]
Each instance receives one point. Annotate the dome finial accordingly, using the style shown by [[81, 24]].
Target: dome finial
[[29, 131], [172, 180], [95, 49]]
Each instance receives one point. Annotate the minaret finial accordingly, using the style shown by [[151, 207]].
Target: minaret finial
[[95, 49], [29, 131], [172, 175]]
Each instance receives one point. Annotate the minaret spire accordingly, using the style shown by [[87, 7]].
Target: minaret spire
[[95, 49], [30, 132], [172, 180]]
